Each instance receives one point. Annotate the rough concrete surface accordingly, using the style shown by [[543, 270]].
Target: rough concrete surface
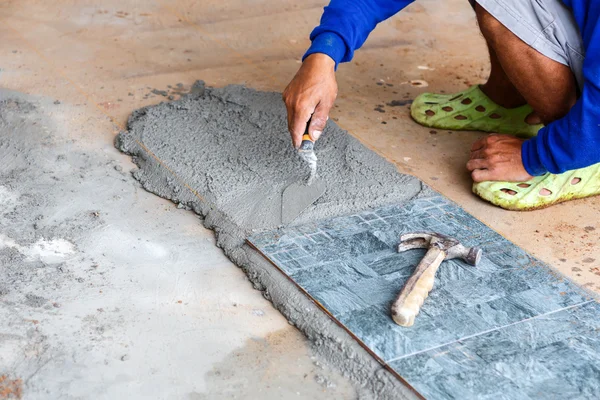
[[103, 60], [231, 146], [109, 292], [226, 154], [157, 43]]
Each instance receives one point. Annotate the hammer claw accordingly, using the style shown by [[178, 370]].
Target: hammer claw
[[416, 243], [416, 235]]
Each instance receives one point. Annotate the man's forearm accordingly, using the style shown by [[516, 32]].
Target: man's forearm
[[570, 143], [573, 141], [346, 24]]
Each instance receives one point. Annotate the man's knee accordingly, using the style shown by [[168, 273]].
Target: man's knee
[[552, 111]]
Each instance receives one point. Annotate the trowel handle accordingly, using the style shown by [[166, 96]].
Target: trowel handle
[[307, 143], [417, 288]]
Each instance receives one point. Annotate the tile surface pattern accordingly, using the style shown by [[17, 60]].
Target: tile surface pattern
[[510, 328]]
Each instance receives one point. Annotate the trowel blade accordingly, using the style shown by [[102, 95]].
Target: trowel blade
[[298, 196]]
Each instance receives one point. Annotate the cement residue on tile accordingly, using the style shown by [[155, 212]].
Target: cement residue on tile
[[226, 154]]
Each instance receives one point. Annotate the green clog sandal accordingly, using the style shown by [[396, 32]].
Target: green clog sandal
[[542, 191], [471, 110]]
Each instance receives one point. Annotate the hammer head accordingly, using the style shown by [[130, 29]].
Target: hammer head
[[450, 246]]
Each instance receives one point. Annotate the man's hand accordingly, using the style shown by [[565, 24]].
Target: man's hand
[[497, 158], [311, 93]]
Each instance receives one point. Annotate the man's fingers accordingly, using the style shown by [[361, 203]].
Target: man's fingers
[[481, 175], [319, 120], [299, 121], [477, 164], [291, 117], [488, 140], [479, 155], [478, 145]]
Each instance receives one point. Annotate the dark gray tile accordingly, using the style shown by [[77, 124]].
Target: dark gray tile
[[389, 211], [440, 386], [363, 244], [418, 366], [391, 235], [377, 330], [534, 299], [507, 256], [487, 288], [320, 238], [438, 200], [290, 266], [304, 241], [369, 216], [327, 275], [377, 291], [452, 270], [549, 357], [578, 376], [440, 302], [340, 299], [305, 229], [378, 224], [489, 384], [275, 245], [462, 322], [427, 332], [555, 389], [503, 311], [344, 226], [455, 359], [388, 263], [509, 328]]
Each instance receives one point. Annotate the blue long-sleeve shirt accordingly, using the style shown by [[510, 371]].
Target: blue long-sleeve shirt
[[569, 143]]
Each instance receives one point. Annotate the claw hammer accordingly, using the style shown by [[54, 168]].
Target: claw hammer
[[416, 289]]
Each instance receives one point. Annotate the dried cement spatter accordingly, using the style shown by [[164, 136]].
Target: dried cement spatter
[[226, 154]]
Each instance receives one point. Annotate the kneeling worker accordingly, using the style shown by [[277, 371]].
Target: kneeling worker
[[541, 101]]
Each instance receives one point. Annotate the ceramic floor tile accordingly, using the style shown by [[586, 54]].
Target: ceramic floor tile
[[331, 275], [480, 326], [555, 356]]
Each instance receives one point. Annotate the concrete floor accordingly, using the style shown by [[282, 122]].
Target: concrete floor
[[108, 291], [102, 62]]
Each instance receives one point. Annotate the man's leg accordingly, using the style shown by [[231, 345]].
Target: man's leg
[[496, 106], [548, 86], [498, 87]]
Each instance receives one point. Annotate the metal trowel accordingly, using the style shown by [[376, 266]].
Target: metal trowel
[[298, 196]]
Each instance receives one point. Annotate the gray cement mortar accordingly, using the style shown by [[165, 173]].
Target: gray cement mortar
[[225, 153]]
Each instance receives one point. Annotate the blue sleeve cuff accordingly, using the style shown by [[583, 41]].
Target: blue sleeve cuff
[[328, 43], [531, 158]]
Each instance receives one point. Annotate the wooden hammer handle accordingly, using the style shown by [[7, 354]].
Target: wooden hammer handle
[[417, 288]]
